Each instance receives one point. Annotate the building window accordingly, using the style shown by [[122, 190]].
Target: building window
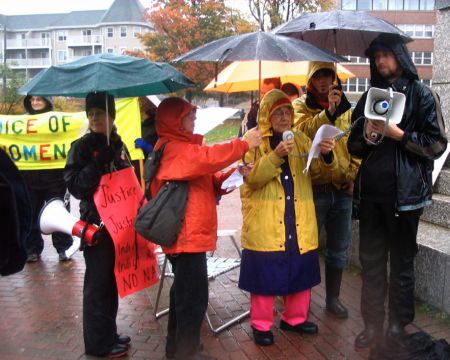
[[364, 4], [137, 49], [348, 4], [110, 32], [380, 4], [426, 4], [422, 57], [62, 36], [122, 50], [418, 30], [411, 4], [123, 31], [136, 30], [62, 56], [110, 50], [356, 85], [395, 5], [357, 60]]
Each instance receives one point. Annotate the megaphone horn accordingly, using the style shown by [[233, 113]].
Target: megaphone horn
[[54, 217], [384, 104]]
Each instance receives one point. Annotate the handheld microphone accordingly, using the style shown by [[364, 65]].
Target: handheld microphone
[[288, 135], [381, 107]]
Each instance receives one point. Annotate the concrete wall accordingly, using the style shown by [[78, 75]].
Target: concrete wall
[[441, 69]]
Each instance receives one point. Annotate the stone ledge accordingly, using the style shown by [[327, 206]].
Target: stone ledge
[[432, 263], [439, 211], [442, 185]]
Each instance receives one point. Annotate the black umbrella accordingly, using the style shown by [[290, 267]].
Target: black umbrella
[[340, 31], [258, 46]]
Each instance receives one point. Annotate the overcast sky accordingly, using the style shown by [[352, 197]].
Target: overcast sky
[[21, 7]]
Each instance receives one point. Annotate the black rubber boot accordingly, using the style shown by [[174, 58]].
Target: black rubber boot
[[333, 278]]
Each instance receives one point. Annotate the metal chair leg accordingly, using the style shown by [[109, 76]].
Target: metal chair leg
[[160, 287]]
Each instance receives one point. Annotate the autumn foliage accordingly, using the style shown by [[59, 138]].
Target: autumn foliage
[[180, 26]]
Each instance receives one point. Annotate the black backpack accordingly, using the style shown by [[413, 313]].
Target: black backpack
[[161, 218]]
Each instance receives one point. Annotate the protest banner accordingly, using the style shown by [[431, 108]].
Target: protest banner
[[117, 200], [42, 141]]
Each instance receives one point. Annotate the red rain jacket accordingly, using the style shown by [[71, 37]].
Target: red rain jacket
[[185, 158]]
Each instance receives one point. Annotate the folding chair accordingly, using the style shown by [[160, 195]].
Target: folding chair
[[216, 266]]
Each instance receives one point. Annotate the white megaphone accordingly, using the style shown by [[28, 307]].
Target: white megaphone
[[54, 217], [385, 105]]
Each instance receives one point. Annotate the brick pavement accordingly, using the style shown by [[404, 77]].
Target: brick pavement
[[41, 315]]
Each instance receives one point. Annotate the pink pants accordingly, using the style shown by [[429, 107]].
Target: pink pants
[[295, 312]]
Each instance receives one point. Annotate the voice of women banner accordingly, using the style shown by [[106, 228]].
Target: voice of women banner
[[42, 141]]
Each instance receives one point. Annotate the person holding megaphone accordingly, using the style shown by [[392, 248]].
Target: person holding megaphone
[[393, 186], [89, 158], [279, 232]]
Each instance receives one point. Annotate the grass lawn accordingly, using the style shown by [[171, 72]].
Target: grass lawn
[[223, 132]]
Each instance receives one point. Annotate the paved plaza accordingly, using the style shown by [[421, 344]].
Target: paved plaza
[[41, 314]]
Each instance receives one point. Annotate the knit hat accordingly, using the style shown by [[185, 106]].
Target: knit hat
[[98, 100]]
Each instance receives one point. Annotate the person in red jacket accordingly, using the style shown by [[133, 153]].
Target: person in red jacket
[[186, 159]]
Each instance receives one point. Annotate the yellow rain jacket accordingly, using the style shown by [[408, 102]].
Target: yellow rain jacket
[[309, 120], [262, 194]]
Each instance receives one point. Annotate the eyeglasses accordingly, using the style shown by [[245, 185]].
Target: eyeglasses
[[278, 113]]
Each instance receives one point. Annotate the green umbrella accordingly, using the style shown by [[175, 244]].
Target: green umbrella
[[119, 75]]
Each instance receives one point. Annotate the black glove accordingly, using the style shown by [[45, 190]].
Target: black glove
[[105, 155]]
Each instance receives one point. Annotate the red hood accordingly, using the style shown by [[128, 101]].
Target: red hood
[[168, 121]]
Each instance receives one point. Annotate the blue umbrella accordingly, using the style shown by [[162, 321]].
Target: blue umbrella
[[119, 75]]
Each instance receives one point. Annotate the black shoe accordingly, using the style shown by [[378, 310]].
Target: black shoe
[[263, 338], [62, 256], [367, 337], [395, 330], [117, 351], [306, 327], [123, 339], [33, 257], [336, 308]]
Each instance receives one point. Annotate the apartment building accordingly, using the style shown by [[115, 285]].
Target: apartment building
[[30, 43], [417, 18]]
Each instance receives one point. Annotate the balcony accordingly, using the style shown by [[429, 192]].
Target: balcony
[[88, 40], [30, 63], [31, 43]]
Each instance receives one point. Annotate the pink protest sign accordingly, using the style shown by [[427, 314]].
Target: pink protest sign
[[117, 200]]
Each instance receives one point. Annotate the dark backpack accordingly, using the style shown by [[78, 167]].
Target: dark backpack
[[161, 218]]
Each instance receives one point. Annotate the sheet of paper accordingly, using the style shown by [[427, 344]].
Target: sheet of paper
[[233, 182], [324, 132]]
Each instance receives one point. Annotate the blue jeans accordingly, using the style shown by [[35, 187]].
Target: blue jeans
[[334, 212]]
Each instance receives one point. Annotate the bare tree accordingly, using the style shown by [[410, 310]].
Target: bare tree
[[277, 12]]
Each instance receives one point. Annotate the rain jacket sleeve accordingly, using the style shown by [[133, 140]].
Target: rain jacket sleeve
[[427, 139], [187, 161], [82, 175], [310, 122]]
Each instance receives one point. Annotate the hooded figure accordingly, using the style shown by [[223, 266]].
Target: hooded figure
[[27, 103], [393, 186], [322, 104], [15, 221], [186, 159], [43, 185], [279, 231]]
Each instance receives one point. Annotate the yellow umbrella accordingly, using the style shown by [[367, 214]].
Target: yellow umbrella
[[244, 75]]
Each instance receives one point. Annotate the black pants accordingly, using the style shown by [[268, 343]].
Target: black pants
[[188, 303], [387, 234], [100, 298], [44, 185]]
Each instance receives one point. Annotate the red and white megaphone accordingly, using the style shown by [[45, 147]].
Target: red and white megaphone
[[55, 217]]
